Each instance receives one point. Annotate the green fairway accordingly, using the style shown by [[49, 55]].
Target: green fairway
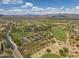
[[50, 56], [59, 33]]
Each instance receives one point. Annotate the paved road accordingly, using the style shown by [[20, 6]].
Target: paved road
[[11, 44]]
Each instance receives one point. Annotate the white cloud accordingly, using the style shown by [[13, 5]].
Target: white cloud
[[14, 11], [11, 1], [27, 5], [43, 11], [31, 9], [51, 10], [37, 9], [77, 7], [1, 9]]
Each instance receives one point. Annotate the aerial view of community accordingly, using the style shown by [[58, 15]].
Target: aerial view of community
[[39, 28]]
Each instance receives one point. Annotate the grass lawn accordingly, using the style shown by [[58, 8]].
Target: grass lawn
[[49, 55], [59, 33]]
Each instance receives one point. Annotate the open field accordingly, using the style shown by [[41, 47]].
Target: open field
[[59, 33], [50, 56]]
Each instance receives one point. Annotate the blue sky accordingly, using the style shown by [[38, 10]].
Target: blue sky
[[45, 3], [54, 3], [17, 7]]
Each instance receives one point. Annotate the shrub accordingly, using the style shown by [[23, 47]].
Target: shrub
[[65, 50], [62, 53], [48, 50]]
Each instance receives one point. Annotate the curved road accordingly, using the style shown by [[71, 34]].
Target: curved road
[[11, 44]]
